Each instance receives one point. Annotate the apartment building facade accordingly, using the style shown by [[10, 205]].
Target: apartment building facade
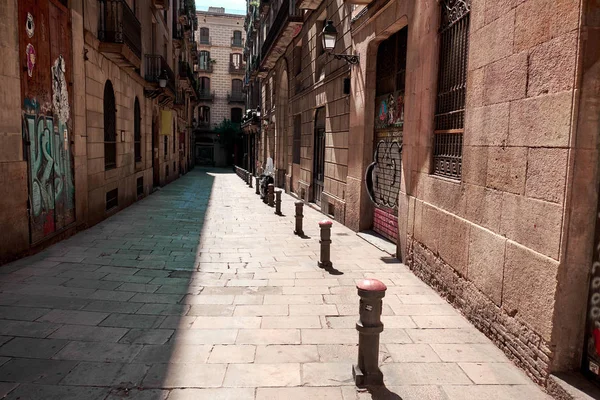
[[95, 115], [221, 70], [467, 135]]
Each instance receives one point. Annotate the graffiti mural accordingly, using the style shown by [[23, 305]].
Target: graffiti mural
[[50, 171], [44, 39], [390, 110], [384, 174], [592, 335]]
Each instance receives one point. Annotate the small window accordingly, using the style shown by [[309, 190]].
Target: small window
[[140, 186], [236, 86], [297, 139], [236, 60], [137, 131], [112, 199], [236, 40], [204, 115], [204, 60], [174, 137]]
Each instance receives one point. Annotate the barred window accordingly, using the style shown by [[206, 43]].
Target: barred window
[[451, 91], [137, 131], [297, 139], [110, 127]]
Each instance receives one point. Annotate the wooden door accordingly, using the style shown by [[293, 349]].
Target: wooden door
[[46, 88]]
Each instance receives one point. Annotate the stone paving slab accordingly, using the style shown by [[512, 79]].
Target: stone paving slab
[[200, 291]]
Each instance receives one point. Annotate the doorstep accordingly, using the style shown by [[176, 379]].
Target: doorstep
[[572, 386]]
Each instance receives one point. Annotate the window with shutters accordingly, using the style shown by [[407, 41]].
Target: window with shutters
[[451, 90]]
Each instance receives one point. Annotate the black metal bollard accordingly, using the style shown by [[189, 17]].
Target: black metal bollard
[[257, 184], [250, 178], [367, 372], [271, 195], [299, 208], [278, 202], [325, 259]]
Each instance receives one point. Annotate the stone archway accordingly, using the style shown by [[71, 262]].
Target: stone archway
[[281, 127]]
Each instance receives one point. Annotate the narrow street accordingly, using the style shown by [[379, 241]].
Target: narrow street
[[200, 292]]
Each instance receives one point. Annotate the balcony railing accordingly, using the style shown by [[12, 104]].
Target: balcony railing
[[203, 125], [205, 67], [204, 40], [287, 12], [237, 68], [118, 24], [205, 95], [237, 42], [155, 64], [236, 97]]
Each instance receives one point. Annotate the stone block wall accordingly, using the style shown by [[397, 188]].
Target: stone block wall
[[316, 80], [493, 242], [13, 168]]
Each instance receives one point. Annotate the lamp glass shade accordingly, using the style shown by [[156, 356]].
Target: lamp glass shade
[[329, 36], [162, 79]]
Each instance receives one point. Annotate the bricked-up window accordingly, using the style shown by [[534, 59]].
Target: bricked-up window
[[297, 139], [137, 131], [110, 127], [451, 91]]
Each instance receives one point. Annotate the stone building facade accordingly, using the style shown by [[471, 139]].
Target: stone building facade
[[468, 138], [87, 128], [221, 70]]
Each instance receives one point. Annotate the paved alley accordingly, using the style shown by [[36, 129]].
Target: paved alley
[[200, 291]]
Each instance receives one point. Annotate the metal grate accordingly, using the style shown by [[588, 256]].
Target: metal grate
[[140, 186], [451, 92], [112, 199]]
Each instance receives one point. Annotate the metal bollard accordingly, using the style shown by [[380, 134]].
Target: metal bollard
[[271, 195], [325, 259], [278, 202], [299, 208], [250, 177], [369, 326], [257, 185]]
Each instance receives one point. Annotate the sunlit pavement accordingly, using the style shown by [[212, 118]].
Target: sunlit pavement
[[201, 292]]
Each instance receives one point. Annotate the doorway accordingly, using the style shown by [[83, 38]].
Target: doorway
[[319, 156], [389, 125], [155, 155], [47, 131]]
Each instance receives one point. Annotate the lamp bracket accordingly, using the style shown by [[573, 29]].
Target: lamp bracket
[[351, 59]]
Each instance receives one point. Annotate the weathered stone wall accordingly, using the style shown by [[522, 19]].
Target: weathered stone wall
[[492, 242], [13, 168], [315, 80]]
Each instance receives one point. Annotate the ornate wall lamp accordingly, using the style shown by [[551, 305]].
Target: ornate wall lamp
[[329, 38]]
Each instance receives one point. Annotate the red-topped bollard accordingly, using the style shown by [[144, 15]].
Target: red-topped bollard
[[325, 259], [369, 326]]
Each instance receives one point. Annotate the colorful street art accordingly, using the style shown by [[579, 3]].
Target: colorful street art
[[30, 53], [390, 110], [50, 169], [592, 350]]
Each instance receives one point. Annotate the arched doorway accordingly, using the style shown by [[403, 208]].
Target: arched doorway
[[281, 128]]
